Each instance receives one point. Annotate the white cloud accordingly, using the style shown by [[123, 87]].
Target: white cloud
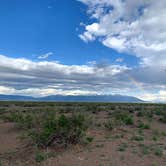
[[25, 77], [137, 27], [45, 56], [119, 60], [45, 91], [21, 74], [23, 64], [87, 37], [41, 92], [6, 90], [160, 96], [116, 43]]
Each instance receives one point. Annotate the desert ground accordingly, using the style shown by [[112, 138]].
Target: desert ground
[[82, 134]]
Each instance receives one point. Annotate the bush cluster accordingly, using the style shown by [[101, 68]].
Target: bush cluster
[[60, 131], [142, 125], [24, 121], [46, 129], [124, 118]]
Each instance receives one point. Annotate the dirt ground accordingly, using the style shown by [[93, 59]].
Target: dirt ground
[[109, 148]]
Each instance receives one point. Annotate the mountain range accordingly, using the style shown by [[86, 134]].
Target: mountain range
[[70, 98]]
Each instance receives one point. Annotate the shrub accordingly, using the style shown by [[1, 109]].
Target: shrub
[[93, 108], [163, 118], [112, 123], [60, 131], [109, 124], [163, 133], [40, 157], [128, 120], [27, 122], [125, 118], [155, 138], [14, 117], [112, 107], [41, 134], [145, 113], [160, 111], [22, 120], [142, 125], [146, 149], [122, 147], [89, 139], [137, 138], [140, 114], [158, 151], [149, 113]]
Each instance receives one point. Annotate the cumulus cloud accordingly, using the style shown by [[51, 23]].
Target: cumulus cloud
[[137, 27]]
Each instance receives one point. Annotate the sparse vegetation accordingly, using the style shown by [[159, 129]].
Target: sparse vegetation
[[40, 157], [62, 130], [83, 129], [110, 124], [122, 147], [158, 151], [163, 118], [137, 138], [124, 118], [142, 125]]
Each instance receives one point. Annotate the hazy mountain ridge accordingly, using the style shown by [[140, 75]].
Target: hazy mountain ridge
[[79, 98]]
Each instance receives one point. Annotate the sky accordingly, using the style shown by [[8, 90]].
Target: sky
[[83, 47]]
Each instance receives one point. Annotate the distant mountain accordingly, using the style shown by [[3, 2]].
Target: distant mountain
[[16, 98], [94, 98]]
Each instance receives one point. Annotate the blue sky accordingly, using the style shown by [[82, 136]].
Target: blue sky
[[30, 28], [83, 47]]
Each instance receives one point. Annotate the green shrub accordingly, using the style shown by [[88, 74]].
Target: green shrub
[[155, 138], [109, 124], [137, 138], [145, 113], [149, 113], [27, 122], [60, 131], [22, 120], [45, 128], [14, 117], [160, 112], [122, 147], [142, 125], [128, 120], [40, 157], [163, 133], [163, 118], [125, 118], [145, 149], [89, 139], [41, 134], [112, 107], [140, 114], [158, 151]]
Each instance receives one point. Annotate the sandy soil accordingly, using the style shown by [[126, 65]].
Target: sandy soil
[[103, 151]]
